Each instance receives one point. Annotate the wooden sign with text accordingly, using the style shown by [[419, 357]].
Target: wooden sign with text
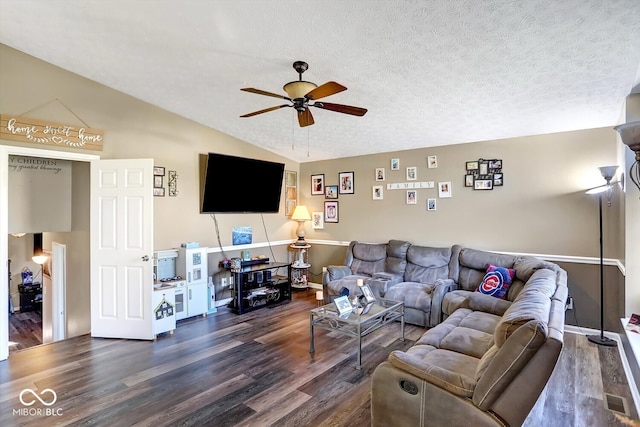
[[49, 133]]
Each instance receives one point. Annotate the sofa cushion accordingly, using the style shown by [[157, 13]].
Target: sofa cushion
[[350, 282], [485, 303], [496, 281], [473, 266], [426, 264], [368, 258], [412, 294], [477, 326], [447, 369], [454, 300], [396, 261]]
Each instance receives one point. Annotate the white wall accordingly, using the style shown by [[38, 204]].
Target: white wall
[[632, 221]]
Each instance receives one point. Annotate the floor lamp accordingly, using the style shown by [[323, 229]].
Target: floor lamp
[[607, 173]]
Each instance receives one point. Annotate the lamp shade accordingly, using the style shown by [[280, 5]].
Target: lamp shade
[[298, 89], [301, 213], [630, 135]]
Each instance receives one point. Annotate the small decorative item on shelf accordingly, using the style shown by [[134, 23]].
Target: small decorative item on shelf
[[236, 264], [225, 263]]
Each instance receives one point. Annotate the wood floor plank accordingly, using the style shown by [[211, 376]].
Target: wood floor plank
[[588, 381]]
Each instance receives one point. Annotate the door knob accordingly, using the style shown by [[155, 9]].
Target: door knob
[[145, 258]]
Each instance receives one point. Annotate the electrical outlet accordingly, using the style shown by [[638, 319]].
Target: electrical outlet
[[570, 303], [223, 282]]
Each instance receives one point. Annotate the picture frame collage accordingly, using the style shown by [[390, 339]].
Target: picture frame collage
[[411, 174], [483, 174], [158, 181], [346, 185]]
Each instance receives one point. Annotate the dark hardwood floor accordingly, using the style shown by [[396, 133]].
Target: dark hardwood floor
[[25, 330], [256, 370]]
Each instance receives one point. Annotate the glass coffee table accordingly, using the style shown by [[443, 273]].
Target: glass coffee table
[[379, 313]]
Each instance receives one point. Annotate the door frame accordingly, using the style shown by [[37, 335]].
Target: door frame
[[5, 152], [59, 285]]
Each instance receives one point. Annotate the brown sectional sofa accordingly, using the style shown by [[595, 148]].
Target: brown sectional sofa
[[486, 360]]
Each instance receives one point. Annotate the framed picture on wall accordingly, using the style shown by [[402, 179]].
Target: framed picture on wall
[[158, 170], [395, 164], [157, 181], [411, 197], [432, 162], [317, 184], [431, 204], [379, 174], [444, 189], [412, 173], [345, 183], [377, 192], [483, 184], [472, 166], [317, 220], [468, 180], [331, 191], [331, 211]]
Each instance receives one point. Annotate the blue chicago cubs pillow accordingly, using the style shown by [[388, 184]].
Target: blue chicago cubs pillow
[[497, 281]]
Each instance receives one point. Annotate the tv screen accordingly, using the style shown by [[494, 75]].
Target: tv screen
[[233, 184]]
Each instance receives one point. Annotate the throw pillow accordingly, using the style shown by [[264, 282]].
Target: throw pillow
[[497, 281]]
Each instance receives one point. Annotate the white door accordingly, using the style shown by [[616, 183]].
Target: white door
[[121, 248]]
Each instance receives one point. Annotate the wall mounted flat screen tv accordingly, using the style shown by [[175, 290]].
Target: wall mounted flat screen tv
[[231, 184]]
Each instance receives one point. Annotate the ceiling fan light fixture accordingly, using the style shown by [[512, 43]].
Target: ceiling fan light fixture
[[298, 89]]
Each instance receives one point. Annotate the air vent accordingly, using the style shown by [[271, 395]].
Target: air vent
[[616, 404]]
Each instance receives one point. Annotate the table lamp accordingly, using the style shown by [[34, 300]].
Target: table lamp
[[301, 214]]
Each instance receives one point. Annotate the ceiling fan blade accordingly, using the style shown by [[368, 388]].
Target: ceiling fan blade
[[346, 109], [305, 118], [264, 92], [329, 88], [266, 110]]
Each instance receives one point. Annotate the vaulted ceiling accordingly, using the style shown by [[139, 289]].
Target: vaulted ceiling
[[429, 72]]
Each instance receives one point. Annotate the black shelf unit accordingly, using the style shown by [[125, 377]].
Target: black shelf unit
[[260, 285], [30, 297]]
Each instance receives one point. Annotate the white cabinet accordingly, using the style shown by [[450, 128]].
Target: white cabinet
[[197, 299]]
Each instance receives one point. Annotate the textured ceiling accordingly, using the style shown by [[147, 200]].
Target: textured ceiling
[[429, 72]]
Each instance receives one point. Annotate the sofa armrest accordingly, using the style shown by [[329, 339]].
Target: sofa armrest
[[442, 286], [477, 301], [335, 272]]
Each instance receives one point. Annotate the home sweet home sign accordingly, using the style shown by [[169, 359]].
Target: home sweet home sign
[[49, 133]]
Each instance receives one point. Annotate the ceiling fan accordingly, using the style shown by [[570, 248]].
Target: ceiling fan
[[303, 95]]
